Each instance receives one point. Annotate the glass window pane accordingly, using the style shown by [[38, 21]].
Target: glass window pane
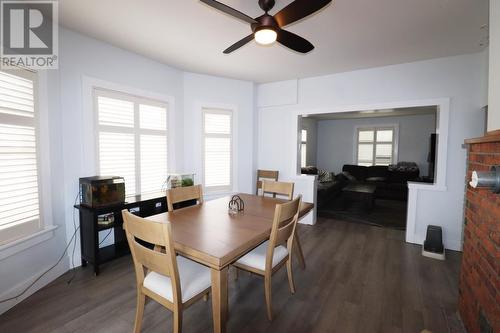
[[385, 135], [384, 150], [304, 135], [365, 152], [217, 123], [115, 112], [153, 117], [217, 161], [153, 162], [366, 136], [117, 157], [303, 155]]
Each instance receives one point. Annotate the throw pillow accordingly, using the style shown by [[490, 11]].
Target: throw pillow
[[324, 176]]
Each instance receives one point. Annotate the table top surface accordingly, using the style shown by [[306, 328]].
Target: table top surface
[[360, 188], [210, 235]]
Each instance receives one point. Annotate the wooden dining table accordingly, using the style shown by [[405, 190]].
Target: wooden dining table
[[210, 235]]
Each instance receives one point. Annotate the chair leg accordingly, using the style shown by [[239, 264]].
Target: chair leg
[[139, 312], [177, 318], [298, 249], [290, 275], [267, 290]]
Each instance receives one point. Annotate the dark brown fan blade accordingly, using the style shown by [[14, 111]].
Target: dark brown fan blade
[[228, 10], [238, 44], [299, 9], [294, 42]]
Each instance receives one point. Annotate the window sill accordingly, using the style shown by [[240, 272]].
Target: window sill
[[26, 242]]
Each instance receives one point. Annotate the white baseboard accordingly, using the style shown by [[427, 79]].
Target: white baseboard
[[45, 280]]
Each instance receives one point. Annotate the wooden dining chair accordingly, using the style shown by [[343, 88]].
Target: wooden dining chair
[[284, 189], [173, 281], [182, 194], [265, 174], [270, 256], [277, 188]]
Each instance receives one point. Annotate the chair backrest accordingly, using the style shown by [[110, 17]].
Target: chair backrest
[[181, 194], [280, 188], [265, 174], [165, 263], [285, 220]]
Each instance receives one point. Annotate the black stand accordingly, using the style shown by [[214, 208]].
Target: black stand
[[141, 205]]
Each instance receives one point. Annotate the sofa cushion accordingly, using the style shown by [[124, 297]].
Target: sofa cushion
[[378, 171], [357, 171], [325, 176]]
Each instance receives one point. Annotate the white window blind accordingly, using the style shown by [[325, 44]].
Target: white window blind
[[132, 140], [19, 182], [217, 149], [375, 146]]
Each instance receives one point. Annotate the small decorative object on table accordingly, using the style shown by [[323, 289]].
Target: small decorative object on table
[[236, 205], [178, 180]]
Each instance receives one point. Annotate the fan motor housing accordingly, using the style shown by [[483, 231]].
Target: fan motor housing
[[266, 5], [265, 22]]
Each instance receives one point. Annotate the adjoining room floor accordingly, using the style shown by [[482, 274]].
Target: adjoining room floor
[[359, 278], [385, 213]]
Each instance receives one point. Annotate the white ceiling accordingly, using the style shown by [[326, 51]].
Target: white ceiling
[[348, 34], [376, 113]]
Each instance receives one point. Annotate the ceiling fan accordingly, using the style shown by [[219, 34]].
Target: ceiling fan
[[267, 29]]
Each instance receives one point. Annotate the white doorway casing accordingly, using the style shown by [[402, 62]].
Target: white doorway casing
[[443, 106]]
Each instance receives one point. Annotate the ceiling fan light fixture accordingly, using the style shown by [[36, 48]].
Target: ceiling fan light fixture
[[265, 36]]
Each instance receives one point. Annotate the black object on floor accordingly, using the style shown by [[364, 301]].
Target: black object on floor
[[385, 213], [434, 239]]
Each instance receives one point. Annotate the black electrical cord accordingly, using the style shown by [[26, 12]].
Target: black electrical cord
[[45, 272]]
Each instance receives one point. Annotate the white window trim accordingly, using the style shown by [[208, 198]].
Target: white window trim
[[199, 152], [90, 151], [395, 146], [47, 226], [136, 130]]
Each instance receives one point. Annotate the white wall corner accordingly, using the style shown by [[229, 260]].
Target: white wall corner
[[277, 93]]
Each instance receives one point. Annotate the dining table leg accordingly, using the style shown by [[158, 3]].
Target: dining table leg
[[219, 299]]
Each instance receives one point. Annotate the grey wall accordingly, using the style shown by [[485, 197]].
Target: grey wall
[[336, 140], [311, 125]]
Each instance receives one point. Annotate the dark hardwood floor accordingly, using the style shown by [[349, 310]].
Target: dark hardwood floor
[[359, 278]]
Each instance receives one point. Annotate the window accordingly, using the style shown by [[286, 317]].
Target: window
[[19, 167], [132, 140], [303, 148], [217, 150], [375, 146]]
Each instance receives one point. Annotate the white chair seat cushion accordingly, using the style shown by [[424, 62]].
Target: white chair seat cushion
[[257, 257], [194, 279]]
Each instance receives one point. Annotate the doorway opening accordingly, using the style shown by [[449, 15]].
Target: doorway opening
[[365, 160]]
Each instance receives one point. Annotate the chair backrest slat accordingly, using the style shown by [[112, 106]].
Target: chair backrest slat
[[164, 262], [265, 174], [285, 220], [278, 188], [181, 194]]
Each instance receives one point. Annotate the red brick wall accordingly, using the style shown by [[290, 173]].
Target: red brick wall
[[480, 272]]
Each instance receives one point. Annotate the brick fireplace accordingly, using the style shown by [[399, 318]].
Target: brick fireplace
[[479, 300]]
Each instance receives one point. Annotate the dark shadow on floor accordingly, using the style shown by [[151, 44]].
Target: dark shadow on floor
[[385, 213]]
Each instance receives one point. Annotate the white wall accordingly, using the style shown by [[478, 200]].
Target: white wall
[[494, 68], [311, 126], [461, 79], [337, 141], [83, 60], [208, 91]]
